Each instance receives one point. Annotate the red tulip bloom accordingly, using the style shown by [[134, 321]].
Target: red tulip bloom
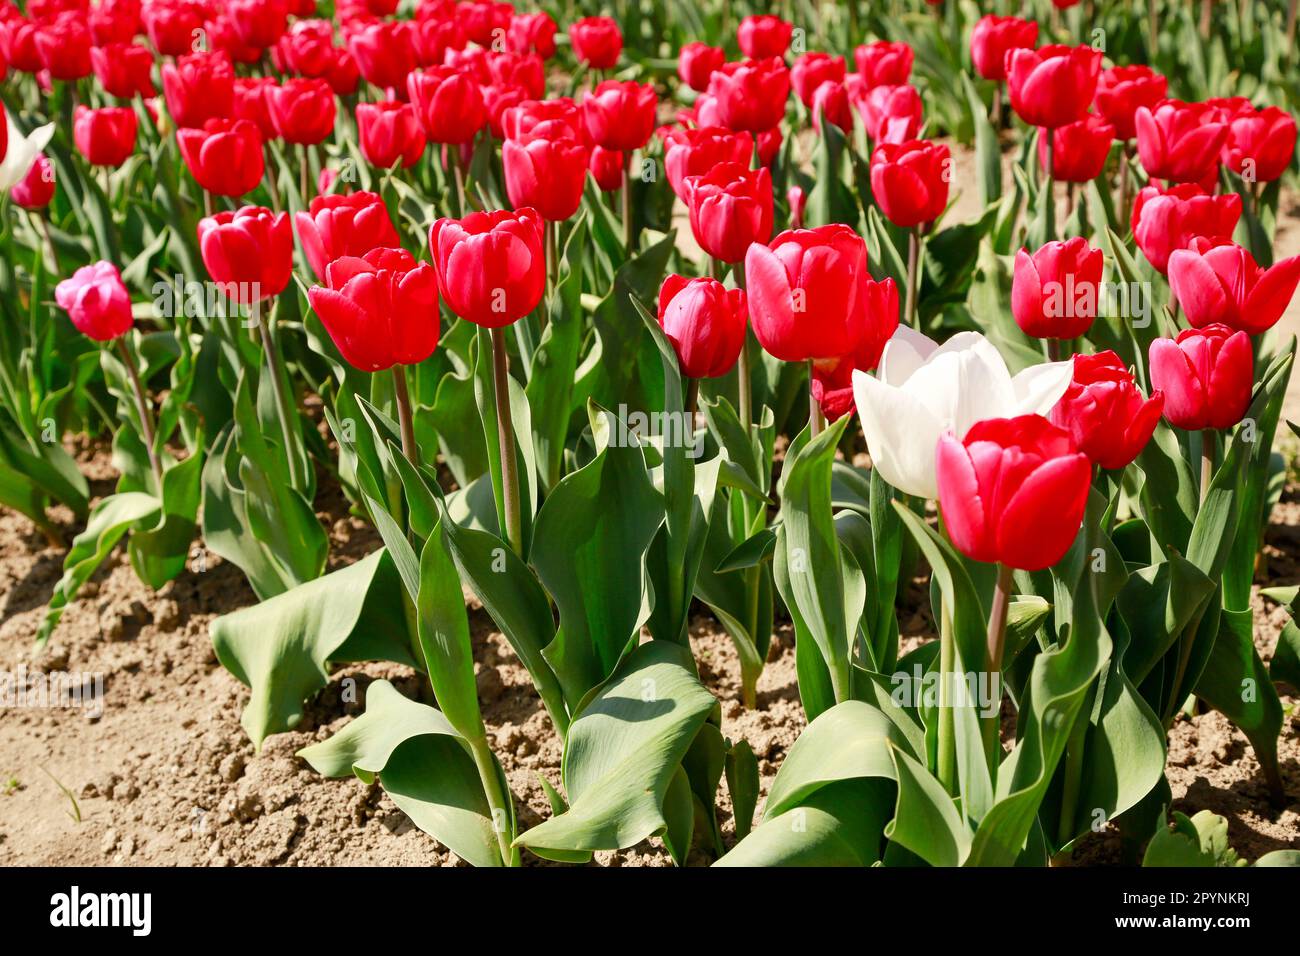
[[597, 42], [307, 49], [831, 102], [891, 114], [224, 38], [259, 24], [1206, 375], [1105, 412], [1260, 144], [383, 52], [1122, 90], [877, 321], [548, 118], [1053, 85], [36, 189], [1222, 283], [498, 99], [225, 156], [484, 21], [731, 207], [694, 152], [910, 181], [1013, 491], [805, 292], [1169, 219], [1079, 150], [124, 69], [199, 87], [606, 168], [114, 21], [343, 76], [518, 69], [381, 309], [764, 36], [302, 110], [343, 225], [18, 42], [751, 95], [993, 37], [106, 137], [434, 39], [532, 33], [620, 116], [696, 63], [170, 25], [769, 144], [450, 104], [547, 173], [811, 70], [1054, 291], [96, 301], [491, 267], [883, 63], [248, 253], [64, 47], [797, 200], [1180, 142], [472, 61], [705, 322], [250, 103], [390, 131]]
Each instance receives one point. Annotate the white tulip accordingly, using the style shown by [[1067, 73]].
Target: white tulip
[[22, 152], [922, 390]]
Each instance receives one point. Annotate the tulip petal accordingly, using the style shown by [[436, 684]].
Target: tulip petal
[[901, 434], [1039, 387], [1043, 517], [905, 352], [1270, 297]]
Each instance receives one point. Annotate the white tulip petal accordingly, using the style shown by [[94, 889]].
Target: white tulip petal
[[1039, 387], [22, 152], [905, 352], [901, 434]]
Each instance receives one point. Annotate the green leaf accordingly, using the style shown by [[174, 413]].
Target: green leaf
[[1198, 841], [444, 638], [927, 822], [743, 785]]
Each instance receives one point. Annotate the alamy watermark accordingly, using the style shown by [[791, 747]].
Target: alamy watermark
[[26, 688]]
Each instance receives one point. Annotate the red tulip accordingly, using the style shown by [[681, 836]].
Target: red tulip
[[302, 110], [705, 322], [1013, 491], [36, 189], [498, 99], [1260, 144], [472, 61], [693, 152], [797, 200], [877, 321], [891, 114], [306, 49], [1053, 85], [547, 118], [64, 47], [620, 116], [1228, 108], [1221, 283], [114, 21], [383, 52], [1054, 292], [450, 104], [250, 103], [248, 253], [343, 76], [124, 69], [390, 131], [1206, 375], [171, 25], [696, 63], [805, 292], [518, 69], [223, 37], [484, 21], [343, 225], [106, 137], [910, 181], [96, 301], [1079, 150], [433, 39], [1121, 90], [731, 207], [606, 168], [764, 36], [769, 144], [1105, 412], [532, 33], [225, 156], [258, 23], [883, 63], [491, 267], [380, 309], [199, 87], [751, 95], [18, 41], [831, 102], [1169, 219], [811, 70], [597, 42], [993, 37], [547, 173], [1180, 142]]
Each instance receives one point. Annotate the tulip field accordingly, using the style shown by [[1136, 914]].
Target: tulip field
[[650, 432]]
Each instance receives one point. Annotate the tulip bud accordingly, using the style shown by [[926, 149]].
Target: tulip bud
[[831, 103], [1053, 85], [106, 136], [248, 253], [596, 42], [1105, 412], [1180, 141], [606, 167], [1206, 375], [993, 37], [1054, 291], [764, 36], [797, 200], [225, 156], [1169, 219], [1079, 150], [731, 207], [96, 301], [302, 110], [1219, 282], [380, 309], [910, 181], [705, 322], [36, 189], [491, 266], [344, 225], [1122, 90], [390, 131], [696, 62], [1260, 144], [883, 63], [1013, 492]]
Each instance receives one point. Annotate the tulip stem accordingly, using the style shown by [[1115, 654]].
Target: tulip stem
[[1074, 751], [913, 263], [552, 266], [43, 217], [692, 401], [207, 203], [1207, 462], [497, 800], [946, 745], [744, 375], [996, 643], [627, 202], [282, 403], [506, 443], [405, 421], [142, 407], [303, 175], [1050, 185]]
